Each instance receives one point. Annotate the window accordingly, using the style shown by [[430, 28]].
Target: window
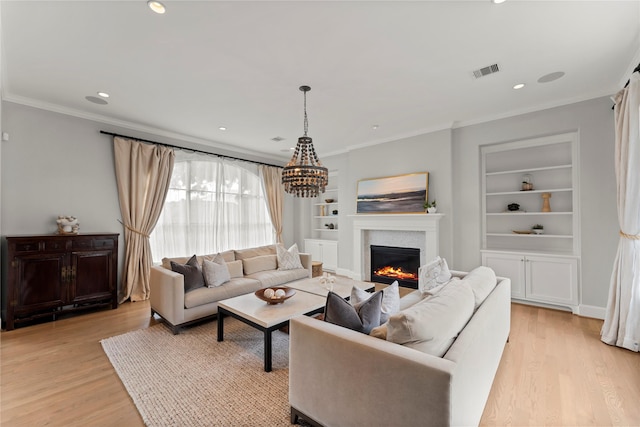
[[213, 204]]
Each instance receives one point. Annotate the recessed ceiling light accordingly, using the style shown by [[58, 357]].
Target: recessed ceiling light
[[519, 86], [156, 6], [96, 100], [551, 77], [375, 127], [103, 94], [222, 128], [498, 1]]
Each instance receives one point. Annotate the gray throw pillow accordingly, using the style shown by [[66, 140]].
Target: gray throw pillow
[[215, 272], [193, 278], [361, 317], [390, 299]]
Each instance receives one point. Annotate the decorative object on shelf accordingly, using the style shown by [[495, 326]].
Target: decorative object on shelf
[[431, 206], [329, 200], [330, 226], [537, 229], [275, 295], [527, 182], [546, 207], [334, 212], [322, 211], [304, 175], [513, 207], [521, 231], [68, 225], [393, 194]]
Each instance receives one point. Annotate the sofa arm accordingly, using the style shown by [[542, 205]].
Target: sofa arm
[[305, 259], [167, 294], [339, 377]]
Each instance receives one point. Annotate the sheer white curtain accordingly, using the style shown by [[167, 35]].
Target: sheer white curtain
[[622, 322], [213, 204]]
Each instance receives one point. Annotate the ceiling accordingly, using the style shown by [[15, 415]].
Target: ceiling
[[405, 67]]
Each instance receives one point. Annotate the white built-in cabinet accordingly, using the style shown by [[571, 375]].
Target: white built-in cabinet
[[325, 251], [543, 268]]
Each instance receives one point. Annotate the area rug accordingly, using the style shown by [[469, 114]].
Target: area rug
[[190, 379]]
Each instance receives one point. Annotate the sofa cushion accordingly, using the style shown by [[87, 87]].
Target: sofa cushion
[[227, 255], [288, 259], [433, 324], [230, 289], [215, 272], [361, 317], [433, 274], [254, 252], [279, 277], [390, 299], [259, 263], [235, 269], [192, 273], [482, 281]]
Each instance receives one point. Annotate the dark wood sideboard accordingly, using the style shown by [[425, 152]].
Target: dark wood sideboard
[[48, 275]]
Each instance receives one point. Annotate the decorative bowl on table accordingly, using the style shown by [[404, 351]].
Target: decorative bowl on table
[[275, 294]]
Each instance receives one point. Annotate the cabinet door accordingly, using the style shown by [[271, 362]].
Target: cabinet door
[[313, 247], [329, 255], [552, 279], [510, 266], [91, 275], [39, 282]]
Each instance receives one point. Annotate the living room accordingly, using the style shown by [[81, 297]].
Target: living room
[[66, 166]]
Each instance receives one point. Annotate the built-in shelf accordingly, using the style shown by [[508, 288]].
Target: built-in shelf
[[510, 193], [520, 213], [532, 235], [528, 170]]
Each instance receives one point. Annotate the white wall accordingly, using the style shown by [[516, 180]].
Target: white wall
[[599, 228], [57, 164], [430, 152]]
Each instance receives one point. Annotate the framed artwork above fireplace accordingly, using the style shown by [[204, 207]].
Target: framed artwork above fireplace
[[393, 194]]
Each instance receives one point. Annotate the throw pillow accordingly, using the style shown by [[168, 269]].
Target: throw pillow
[[259, 263], [390, 299], [362, 317], [215, 272], [235, 269], [192, 273], [288, 259], [482, 281], [434, 274]]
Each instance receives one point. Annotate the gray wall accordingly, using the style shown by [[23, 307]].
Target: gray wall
[[599, 227], [56, 164]]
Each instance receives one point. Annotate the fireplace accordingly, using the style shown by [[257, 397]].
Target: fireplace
[[390, 263]]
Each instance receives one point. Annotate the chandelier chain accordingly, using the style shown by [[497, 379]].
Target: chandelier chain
[[306, 119]]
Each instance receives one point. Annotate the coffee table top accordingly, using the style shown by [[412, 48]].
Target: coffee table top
[[267, 315], [341, 286]]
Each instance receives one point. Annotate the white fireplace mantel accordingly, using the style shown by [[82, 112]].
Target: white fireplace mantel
[[426, 223]]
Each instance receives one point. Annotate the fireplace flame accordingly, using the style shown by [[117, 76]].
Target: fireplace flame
[[395, 273]]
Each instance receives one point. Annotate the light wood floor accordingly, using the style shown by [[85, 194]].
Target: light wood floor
[[554, 371]]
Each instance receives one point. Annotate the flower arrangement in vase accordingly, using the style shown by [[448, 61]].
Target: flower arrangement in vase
[[431, 206]]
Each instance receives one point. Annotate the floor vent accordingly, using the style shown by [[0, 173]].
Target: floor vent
[[485, 71]]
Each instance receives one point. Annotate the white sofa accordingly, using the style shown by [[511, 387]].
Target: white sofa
[[339, 377], [251, 269]]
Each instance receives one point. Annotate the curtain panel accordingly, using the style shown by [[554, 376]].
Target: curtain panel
[[622, 321], [143, 173], [274, 195]]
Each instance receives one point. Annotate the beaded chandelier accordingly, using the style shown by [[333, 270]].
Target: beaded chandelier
[[304, 175]]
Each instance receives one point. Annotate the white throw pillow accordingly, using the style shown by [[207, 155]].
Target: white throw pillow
[[434, 274], [390, 299], [215, 272], [288, 259]]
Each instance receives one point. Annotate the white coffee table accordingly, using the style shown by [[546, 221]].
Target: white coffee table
[[268, 317], [310, 299]]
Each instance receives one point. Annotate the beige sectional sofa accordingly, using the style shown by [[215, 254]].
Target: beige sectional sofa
[[340, 377], [250, 269]]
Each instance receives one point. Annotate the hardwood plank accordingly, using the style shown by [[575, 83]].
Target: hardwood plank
[[554, 371]]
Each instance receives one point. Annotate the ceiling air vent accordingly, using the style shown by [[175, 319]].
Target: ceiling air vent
[[277, 139], [490, 69]]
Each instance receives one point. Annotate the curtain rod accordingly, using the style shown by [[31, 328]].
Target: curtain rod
[[187, 149]]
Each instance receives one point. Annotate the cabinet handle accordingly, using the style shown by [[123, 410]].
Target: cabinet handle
[[73, 273], [64, 274]]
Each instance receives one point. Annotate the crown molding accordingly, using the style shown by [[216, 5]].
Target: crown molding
[[124, 124]]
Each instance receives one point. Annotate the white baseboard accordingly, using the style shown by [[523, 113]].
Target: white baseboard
[[345, 272], [592, 311]]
